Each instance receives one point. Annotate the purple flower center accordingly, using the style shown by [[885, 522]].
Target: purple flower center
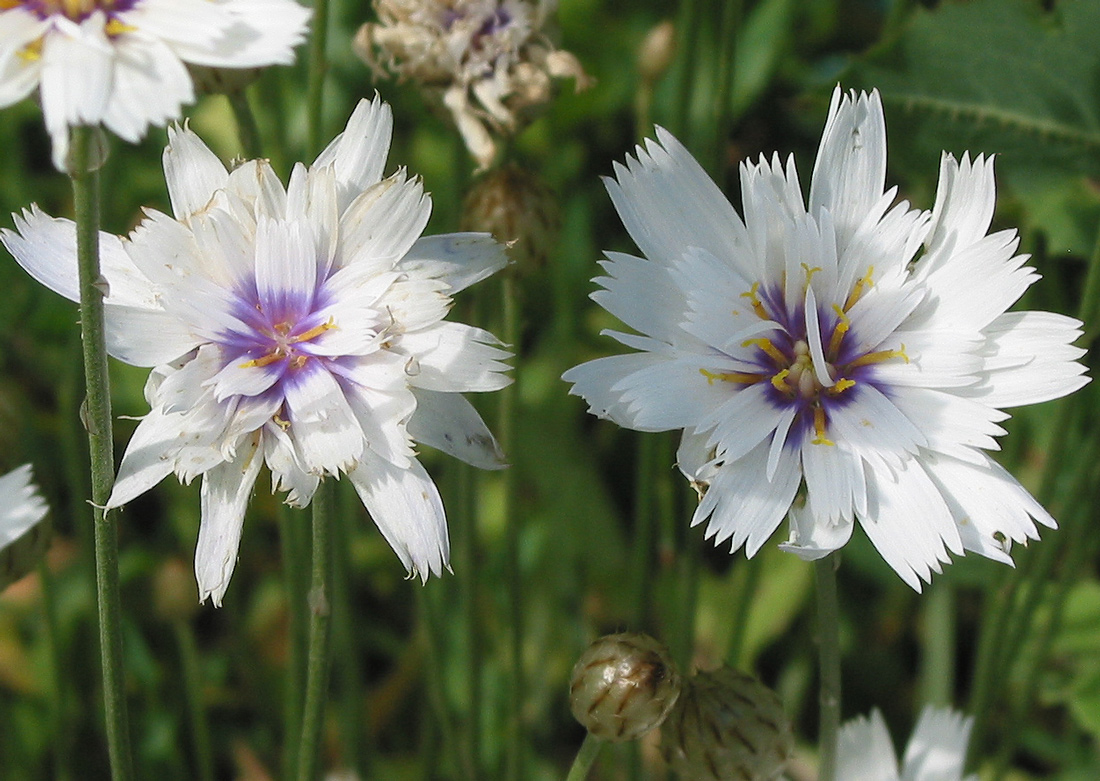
[[77, 10]]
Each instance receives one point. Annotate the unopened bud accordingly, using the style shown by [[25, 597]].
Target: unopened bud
[[656, 52], [518, 209], [727, 725], [623, 686]]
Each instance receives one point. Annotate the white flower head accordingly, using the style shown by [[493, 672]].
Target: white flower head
[[121, 63], [21, 506], [852, 352], [301, 326], [936, 750], [488, 61]]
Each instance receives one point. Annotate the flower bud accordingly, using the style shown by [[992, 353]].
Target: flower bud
[[518, 209], [623, 686], [727, 725], [656, 52]]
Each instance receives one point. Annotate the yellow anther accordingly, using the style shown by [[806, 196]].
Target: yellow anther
[[842, 326], [757, 305], [115, 27], [879, 357], [840, 386], [863, 284], [283, 424], [298, 361], [766, 345], [819, 428], [271, 357], [743, 378], [315, 331], [779, 381], [810, 272], [32, 51]]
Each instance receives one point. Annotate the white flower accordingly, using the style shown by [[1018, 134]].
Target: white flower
[[936, 751], [855, 351], [300, 326], [121, 63], [21, 506], [488, 60]]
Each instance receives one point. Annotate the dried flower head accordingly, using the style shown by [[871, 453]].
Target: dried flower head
[[727, 725], [623, 686], [514, 205], [489, 62]]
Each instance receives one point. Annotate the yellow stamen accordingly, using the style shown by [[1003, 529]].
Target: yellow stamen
[[863, 284], [298, 361], [819, 428], [842, 326], [840, 386], [115, 27], [766, 345], [283, 424], [879, 357], [32, 51], [779, 381], [810, 272], [740, 377], [757, 305], [316, 331], [270, 358]]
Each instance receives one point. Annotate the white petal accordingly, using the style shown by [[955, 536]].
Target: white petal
[[908, 522], [358, 155], [448, 422], [811, 539], [593, 381], [1029, 358], [225, 493], [322, 423], [405, 505], [21, 506], [741, 422], [151, 86], [382, 224], [19, 75], [937, 748], [667, 203], [873, 427], [383, 417], [850, 169], [953, 424], [965, 198], [149, 457], [286, 267], [191, 171], [146, 337], [643, 295], [458, 259], [743, 504], [76, 79], [287, 471], [696, 458], [454, 358], [865, 752]]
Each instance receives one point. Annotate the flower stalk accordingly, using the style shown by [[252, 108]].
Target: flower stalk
[[318, 69], [829, 665], [586, 757], [313, 711], [97, 421]]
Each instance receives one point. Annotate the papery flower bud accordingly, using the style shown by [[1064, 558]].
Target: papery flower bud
[[727, 725], [656, 52], [623, 686], [518, 209]]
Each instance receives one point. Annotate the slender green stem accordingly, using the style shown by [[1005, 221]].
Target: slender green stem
[[248, 130], [829, 653], [432, 640], [97, 420], [509, 398], [320, 594], [937, 675], [295, 548], [60, 730], [470, 593], [196, 713], [648, 452], [586, 757], [752, 569], [352, 726], [728, 30], [318, 69]]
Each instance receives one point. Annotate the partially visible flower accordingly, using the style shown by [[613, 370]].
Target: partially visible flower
[[121, 63], [936, 751], [301, 326], [841, 359], [488, 61], [22, 539]]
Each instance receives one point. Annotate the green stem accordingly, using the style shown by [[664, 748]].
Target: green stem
[[432, 639], [248, 130], [829, 654], [648, 452], [196, 714], [318, 69], [586, 757], [937, 676], [60, 730], [97, 420], [352, 726], [745, 596], [471, 597], [294, 549], [320, 594], [509, 398]]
